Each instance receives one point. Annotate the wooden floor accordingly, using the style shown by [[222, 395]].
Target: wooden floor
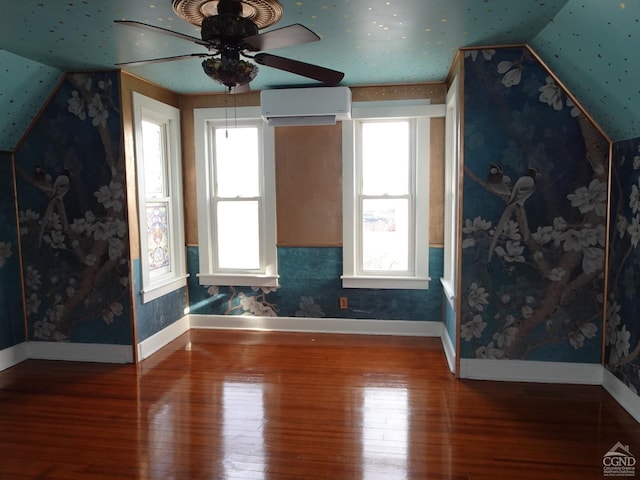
[[248, 405]]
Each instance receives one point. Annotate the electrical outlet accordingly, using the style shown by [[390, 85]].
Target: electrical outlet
[[344, 303]]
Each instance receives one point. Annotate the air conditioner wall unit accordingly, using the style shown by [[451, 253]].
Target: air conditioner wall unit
[[305, 106]]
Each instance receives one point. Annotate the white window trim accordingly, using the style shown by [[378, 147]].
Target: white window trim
[[145, 107], [423, 112], [451, 190], [204, 119]]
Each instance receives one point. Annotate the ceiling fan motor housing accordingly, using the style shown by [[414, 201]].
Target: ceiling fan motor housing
[[224, 31]]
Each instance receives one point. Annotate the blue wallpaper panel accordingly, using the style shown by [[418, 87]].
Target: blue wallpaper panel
[[622, 341], [310, 286], [72, 212], [11, 314], [534, 215], [450, 322], [153, 316]]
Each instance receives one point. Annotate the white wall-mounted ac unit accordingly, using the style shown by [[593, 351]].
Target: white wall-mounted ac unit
[[305, 106]]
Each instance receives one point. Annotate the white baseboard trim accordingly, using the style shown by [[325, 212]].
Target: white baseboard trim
[[155, 342], [13, 355], [531, 371], [449, 349], [621, 394], [80, 352], [318, 325]]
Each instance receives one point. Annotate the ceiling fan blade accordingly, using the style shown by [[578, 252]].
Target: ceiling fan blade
[[153, 28], [322, 74], [282, 37], [164, 59]]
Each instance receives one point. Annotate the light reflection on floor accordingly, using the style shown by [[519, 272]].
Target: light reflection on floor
[[385, 435]]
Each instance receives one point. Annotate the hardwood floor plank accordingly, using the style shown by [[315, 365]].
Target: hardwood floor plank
[[279, 406]]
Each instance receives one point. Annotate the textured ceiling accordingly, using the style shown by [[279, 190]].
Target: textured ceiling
[[373, 42]]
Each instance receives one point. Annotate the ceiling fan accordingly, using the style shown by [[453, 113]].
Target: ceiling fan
[[229, 36]]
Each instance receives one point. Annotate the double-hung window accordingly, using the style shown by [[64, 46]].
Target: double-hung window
[[386, 195], [159, 185], [236, 198]]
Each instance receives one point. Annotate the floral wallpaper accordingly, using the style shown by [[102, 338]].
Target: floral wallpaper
[[11, 313], [72, 216], [534, 215], [310, 286], [622, 344]]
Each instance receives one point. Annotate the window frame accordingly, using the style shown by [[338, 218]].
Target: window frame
[[168, 117], [206, 120], [420, 114], [449, 279]]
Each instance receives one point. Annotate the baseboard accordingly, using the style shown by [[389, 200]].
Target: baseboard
[[80, 352], [449, 349], [151, 345], [621, 394], [13, 355], [318, 325], [531, 371]]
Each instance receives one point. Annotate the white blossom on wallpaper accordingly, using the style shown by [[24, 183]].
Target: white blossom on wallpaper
[[309, 308]]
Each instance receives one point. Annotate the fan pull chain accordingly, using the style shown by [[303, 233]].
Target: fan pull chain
[[226, 106], [235, 112]]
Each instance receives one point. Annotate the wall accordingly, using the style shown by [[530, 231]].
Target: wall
[[70, 181], [12, 331], [309, 207], [532, 269], [622, 353]]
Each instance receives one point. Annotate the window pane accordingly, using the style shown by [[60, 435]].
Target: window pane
[[158, 239], [385, 235], [153, 153], [237, 162], [385, 158], [238, 235]]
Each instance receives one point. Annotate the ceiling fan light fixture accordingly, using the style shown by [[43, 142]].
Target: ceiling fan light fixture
[[228, 74]]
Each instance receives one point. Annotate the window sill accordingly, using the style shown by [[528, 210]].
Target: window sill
[[448, 289], [397, 283], [238, 280], [159, 290]]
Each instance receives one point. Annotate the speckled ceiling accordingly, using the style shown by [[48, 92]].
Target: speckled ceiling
[[373, 42]]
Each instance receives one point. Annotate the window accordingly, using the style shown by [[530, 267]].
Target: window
[[386, 195], [159, 183], [236, 198], [451, 190]]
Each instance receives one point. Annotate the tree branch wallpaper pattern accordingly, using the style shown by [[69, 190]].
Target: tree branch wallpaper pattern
[[622, 345], [534, 213], [72, 214]]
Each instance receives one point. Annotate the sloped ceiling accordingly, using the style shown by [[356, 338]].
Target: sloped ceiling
[[24, 88], [592, 46], [589, 44]]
